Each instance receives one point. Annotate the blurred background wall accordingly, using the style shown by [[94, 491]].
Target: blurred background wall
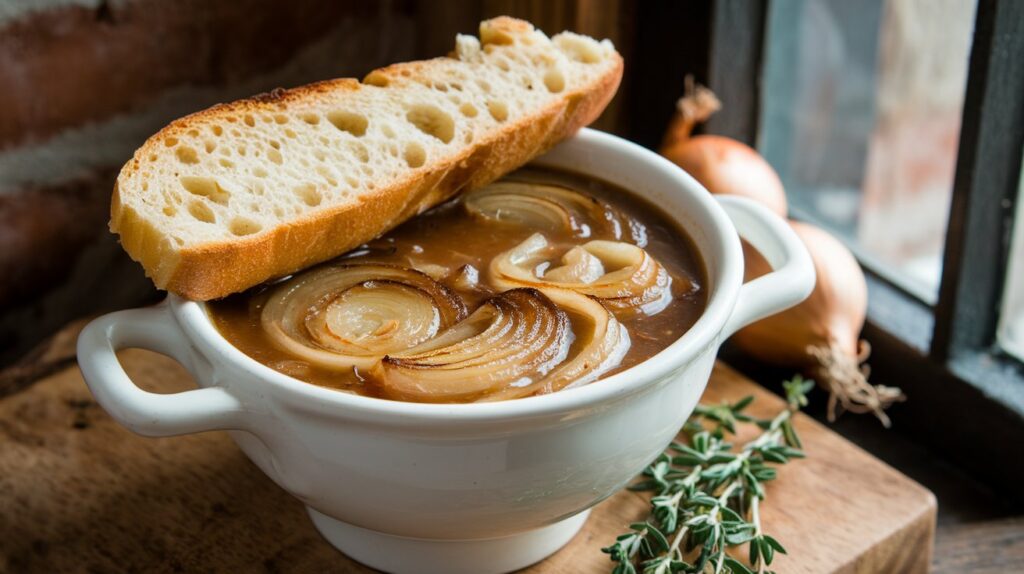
[[86, 81]]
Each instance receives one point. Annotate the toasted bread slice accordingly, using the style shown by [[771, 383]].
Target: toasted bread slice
[[229, 197]]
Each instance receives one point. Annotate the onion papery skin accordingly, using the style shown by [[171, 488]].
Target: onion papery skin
[[632, 281], [600, 344], [728, 167], [820, 335], [513, 339], [833, 314], [550, 208], [345, 316], [722, 165]]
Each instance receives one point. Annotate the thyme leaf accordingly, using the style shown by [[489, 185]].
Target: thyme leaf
[[707, 494]]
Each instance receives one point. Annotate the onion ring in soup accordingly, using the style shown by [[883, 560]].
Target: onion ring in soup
[[623, 276], [518, 343], [344, 316]]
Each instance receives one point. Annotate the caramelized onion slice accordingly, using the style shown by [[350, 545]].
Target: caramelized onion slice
[[347, 316], [623, 276], [600, 344], [546, 207], [513, 340]]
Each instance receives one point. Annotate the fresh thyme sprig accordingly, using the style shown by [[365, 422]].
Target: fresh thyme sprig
[[707, 497]]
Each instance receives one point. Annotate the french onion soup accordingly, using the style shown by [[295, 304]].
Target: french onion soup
[[541, 281]]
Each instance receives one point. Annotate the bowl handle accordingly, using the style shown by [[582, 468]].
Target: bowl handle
[[150, 414], [792, 277]]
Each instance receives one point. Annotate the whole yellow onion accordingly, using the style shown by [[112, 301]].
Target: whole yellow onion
[[821, 334], [721, 164]]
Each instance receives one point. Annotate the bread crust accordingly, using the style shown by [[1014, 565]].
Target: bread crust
[[216, 269]]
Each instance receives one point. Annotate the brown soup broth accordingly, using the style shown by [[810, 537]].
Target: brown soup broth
[[448, 237]]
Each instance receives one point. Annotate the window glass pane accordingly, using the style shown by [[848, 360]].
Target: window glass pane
[[861, 117], [1011, 323]]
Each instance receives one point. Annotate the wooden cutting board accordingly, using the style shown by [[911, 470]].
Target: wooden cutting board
[[80, 493]]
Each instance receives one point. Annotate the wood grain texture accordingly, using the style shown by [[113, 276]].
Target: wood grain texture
[[79, 493], [988, 547]]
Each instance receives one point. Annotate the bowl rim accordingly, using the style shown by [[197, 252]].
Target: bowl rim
[[700, 338]]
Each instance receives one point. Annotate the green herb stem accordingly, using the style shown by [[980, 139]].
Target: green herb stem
[[708, 497]]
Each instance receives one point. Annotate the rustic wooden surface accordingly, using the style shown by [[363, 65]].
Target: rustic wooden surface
[[988, 547], [80, 493]]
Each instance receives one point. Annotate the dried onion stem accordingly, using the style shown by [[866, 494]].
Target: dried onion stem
[[723, 165], [820, 335], [846, 380]]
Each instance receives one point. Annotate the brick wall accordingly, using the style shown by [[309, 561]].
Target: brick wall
[[86, 81]]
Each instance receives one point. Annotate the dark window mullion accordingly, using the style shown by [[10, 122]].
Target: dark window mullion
[[734, 68], [985, 186]]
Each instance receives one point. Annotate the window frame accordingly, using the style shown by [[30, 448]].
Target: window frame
[[945, 356]]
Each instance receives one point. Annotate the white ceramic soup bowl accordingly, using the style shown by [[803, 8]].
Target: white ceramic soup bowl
[[474, 488]]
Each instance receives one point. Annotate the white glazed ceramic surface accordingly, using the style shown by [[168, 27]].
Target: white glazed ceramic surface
[[418, 479]]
